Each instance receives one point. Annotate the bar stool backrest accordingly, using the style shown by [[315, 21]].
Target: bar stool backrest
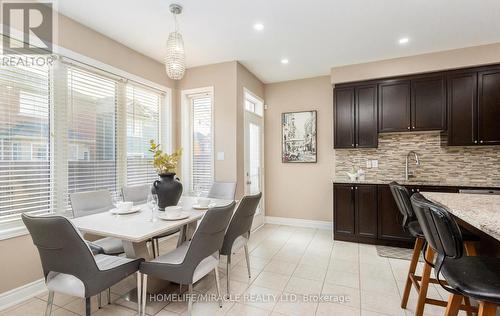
[[402, 198], [440, 229]]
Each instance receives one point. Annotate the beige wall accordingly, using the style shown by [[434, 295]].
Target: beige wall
[[245, 79], [299, 190], [228, 81], [23, 264], [457, 58], [83, 40]]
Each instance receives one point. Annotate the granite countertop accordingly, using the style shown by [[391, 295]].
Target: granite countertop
[[480, 211], [419, 182]]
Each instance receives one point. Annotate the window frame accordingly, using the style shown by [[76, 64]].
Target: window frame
[[187, 134], [17, 228]]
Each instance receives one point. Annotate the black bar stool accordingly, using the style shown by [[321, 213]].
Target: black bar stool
[[412, 226], [466, 276]]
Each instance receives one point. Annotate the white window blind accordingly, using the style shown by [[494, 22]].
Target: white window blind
[[91, 112], [202, 172], [143, 111], [25, 184]]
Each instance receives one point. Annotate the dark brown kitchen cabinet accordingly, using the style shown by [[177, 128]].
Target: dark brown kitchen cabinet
[[413, 104], [488, 107], [355, 211], [462, 108], [343, 207], [344, 117], [394, 106], [428, 103], [389, 218], [474, 107], [355, 117], [366, 116], [365, 206]]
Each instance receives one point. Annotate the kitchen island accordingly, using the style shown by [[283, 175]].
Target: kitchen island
[[478, 210]]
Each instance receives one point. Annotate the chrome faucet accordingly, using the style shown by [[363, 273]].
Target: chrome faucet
[[417, 162]]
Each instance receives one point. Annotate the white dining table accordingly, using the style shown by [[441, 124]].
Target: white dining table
[[136, 229]]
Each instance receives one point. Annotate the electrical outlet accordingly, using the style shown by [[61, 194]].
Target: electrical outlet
[[220, 155], [375, 163], [368, 164]]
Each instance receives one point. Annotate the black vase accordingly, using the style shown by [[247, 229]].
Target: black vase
[[168, 189]]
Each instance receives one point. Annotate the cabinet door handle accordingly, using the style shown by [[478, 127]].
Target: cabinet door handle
[[408, 127], [481, 142], [352, 188], [475, 142]]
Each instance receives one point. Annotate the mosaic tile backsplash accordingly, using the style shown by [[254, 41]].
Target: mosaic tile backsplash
[[438, 164]]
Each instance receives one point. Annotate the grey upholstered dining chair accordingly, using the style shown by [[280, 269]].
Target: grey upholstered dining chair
[[222, 190], [193, 259], [139, 195], [88, 203], [238, 232], [69, 267]]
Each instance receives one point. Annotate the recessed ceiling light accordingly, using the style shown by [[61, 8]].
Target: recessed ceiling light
[[404, 40], [284, 61], [258, 26]]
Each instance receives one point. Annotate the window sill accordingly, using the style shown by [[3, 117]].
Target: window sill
[[13, 232]]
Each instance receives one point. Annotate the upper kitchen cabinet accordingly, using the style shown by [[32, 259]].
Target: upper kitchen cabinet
[[355, 117], [462, 108], [428, 103], [366, 116], [344, 117], [474, 107], [488, 107], [414, 104], [394, 106]]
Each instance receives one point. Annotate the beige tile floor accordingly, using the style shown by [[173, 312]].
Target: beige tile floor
[[284, 260]]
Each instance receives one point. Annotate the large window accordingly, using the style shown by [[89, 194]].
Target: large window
[[143, 109], [91, 131], [198, 140], [25, 184], [72, 128]]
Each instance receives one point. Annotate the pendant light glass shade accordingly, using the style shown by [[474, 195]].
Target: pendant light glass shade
[[175, 61]]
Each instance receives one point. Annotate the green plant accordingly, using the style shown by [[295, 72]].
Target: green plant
[[163, 162]]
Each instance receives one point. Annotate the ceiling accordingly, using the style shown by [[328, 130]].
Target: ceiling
[[314, 35]]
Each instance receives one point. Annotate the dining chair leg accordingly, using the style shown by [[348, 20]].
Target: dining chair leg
[[109, 295], [247, 257], [228, 267], [180, 288], [217, 285], [153, 250], [424, 284], [190, 299], [487, 309], [99, 300], [417, 250], [454, 302], [139, 292], [144, 293], [470, 248], [50, 301], [157, 246], [87, 306]]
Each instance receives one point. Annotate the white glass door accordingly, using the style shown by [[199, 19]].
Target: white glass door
[[254, 158]]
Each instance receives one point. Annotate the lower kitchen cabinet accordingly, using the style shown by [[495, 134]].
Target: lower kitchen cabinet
[[355, 211], [389, 217], [367, 213]]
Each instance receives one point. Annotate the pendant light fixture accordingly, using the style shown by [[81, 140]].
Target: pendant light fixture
[[175, 61]]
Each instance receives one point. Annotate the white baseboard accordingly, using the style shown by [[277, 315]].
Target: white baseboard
[[22, 293], [298, 222]]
